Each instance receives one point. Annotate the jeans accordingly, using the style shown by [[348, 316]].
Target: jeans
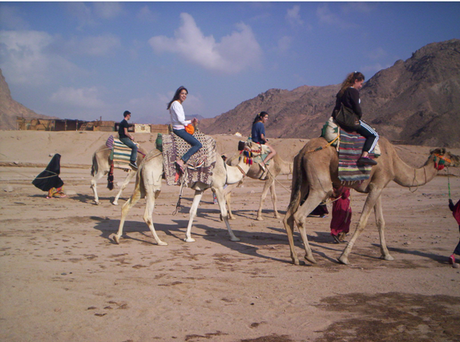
[[196, 145], [128, 142]]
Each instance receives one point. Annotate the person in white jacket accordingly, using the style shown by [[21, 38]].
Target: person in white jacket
[[178, 123]]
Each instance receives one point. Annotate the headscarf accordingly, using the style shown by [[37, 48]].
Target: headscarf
[[49, 178]]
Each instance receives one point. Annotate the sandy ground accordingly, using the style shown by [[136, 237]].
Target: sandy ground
[[63, 278]]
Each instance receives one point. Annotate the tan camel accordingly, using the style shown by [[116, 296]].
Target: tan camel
[[101, 168], [276, 167], [315, 173], [148, 184]]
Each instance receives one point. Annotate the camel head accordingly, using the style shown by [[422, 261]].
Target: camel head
[[443, 158]]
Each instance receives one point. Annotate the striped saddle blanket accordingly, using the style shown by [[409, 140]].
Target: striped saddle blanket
[[199, 166], [120, 154], [350, 150]]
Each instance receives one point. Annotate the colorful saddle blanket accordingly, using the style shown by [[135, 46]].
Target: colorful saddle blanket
[[350, 149], [120, 154], [199, 166], [254, 152]]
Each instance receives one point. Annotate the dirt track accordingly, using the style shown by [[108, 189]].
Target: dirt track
[[63, 279]]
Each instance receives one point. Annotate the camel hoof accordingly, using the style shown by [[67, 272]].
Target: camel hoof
[[310, 259], [115, 203], [234, 239], [96, 203], [116, 239], [343, 260], [260, 218], [161, 243], [388, 257], [189, 240]]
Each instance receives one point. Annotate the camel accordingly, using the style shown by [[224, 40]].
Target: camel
[[101, 167], [315, 174], [276, 167], [148, 184]]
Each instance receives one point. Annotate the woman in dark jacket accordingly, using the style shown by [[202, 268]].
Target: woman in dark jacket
[[349, 97]]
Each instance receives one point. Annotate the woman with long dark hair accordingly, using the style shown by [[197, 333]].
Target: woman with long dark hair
[[179, 123], [349, 97]]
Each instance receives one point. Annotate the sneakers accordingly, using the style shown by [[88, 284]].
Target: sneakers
[[133, 165], [366, 161]]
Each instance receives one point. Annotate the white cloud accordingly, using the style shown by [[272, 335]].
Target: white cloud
[[25, 59], [293, 16], [86, 98], [234, 53]]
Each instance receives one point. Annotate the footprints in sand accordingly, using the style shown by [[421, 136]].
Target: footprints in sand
[[112, 305]]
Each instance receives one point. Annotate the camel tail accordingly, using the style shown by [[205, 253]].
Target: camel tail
[[94, 168], [297, 179]]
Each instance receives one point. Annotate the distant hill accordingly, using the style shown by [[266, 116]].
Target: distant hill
[[416, 101], [10, 109]]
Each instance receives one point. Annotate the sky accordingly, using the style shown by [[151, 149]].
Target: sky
[[94, 60]]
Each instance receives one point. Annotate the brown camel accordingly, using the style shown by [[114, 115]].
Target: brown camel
[[148, 184], [101, 167], [315, 174], [276, 167]]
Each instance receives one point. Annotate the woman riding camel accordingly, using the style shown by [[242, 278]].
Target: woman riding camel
[[349, 97], [258, 136], [179, 123]]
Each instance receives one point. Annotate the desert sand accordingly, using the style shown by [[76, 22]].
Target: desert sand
[[64, 279]]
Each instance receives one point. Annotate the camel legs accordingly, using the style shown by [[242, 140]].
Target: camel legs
[[193, 210], [151, 195], [299, 216], [128, 178], [269, 185], [93, 185], [223, 210], [381, 227], [135, 197], [228, 199], [371, 201]]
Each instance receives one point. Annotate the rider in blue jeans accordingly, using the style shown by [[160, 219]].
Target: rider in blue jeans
[[178, 122], [127, 139]]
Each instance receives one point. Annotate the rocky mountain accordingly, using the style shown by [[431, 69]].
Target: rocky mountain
[[416, 101], [10, 109]]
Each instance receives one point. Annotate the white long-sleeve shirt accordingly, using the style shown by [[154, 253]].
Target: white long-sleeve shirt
[[178, 116]]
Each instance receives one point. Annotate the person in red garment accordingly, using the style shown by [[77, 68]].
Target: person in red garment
[[456, 213], [341, 214]]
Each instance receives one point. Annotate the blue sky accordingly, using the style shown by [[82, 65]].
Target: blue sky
[[96, 59]]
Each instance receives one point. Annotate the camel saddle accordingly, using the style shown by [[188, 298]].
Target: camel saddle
[[120, 154], [199, 166], [253, 152], [349, 147]]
